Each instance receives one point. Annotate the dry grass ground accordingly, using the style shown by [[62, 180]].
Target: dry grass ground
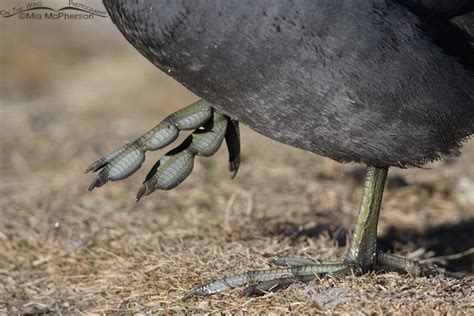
[[71, 92]]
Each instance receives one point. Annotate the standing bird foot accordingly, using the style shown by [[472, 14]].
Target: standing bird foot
[[303, 270], [362, 257], [210, 128]]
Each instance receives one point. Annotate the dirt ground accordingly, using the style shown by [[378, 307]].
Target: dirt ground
[[71, 92]]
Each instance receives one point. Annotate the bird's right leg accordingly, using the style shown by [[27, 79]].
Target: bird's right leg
[[363, 255]]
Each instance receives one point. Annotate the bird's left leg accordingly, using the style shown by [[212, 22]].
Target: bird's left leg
[[171, 169], [210, 129]]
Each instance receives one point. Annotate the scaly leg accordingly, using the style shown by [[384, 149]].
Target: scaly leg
[[177, 164], [362, 257], [210, 128]]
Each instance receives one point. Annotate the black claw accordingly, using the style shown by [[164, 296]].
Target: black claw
[[96, 166], [187, 296], [91, 168], [141, 192], [144, 190], [100, 180], [94, 184], [196, 292], [234, 167]]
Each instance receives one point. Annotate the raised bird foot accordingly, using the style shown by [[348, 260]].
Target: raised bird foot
[[302, 270], [210, 128]]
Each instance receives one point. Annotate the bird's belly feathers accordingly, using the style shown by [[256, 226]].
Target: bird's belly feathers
[[364, 86]]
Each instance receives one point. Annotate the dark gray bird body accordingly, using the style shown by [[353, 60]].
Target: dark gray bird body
[[356, 81]]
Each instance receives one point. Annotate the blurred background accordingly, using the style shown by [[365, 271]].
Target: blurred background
[[71, 91]]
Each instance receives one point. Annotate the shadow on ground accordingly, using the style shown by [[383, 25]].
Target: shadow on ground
[[438, 241], [442, 240]]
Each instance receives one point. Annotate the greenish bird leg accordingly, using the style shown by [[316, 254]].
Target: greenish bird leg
[[363, 248], [363, 252], [362, 256], [210, 129]]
